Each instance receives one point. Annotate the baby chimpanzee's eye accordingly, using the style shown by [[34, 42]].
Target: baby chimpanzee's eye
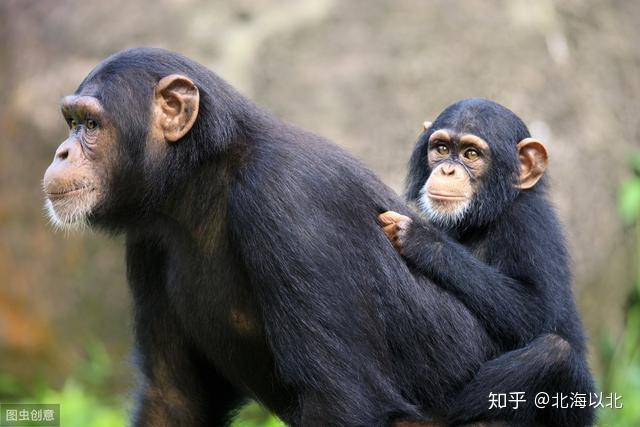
[[442, 149], [471, 154]]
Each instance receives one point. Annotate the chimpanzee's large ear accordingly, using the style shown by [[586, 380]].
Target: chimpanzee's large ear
[[176, 105], [533, 162], [426, 125]]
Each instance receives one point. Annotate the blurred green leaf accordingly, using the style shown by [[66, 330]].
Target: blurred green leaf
[[9, 386], [621, 358], [629, 201], [97, 367], [255, 415], [81, 409], [635, 163]]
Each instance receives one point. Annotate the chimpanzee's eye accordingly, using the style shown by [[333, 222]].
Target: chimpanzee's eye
[[91, 124], [73, 123], [471, 154], [442, 149]]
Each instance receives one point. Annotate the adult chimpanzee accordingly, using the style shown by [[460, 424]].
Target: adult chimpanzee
[[494, 242], [254, 257]]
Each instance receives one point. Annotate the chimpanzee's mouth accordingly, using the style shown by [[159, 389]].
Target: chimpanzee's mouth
[[446, 197], [66, 192], [68, 207]]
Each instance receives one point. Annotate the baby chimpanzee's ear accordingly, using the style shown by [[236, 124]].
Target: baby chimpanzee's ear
[[533, 162]]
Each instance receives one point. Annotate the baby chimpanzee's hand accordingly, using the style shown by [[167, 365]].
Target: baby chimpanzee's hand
[[395, 226]]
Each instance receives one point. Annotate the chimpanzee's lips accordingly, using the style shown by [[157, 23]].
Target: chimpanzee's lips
[[56, 194], [446, 197]]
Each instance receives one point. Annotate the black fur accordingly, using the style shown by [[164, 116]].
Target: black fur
[[507, 262], [247, 212]]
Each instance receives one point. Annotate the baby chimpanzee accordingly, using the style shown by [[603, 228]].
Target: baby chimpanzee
[[492, 239]]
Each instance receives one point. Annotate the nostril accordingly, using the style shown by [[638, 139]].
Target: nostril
[[62, 154]]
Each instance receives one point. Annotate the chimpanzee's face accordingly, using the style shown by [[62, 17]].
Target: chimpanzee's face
[[77, 179], [458, 163], [472, 163], [98, 175]]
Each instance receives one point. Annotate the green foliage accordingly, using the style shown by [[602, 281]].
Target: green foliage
[[9, 386], [629, 200], [621, 359], [97, 368], [85, 400], [254, 415], [81, 398], [78, 408]]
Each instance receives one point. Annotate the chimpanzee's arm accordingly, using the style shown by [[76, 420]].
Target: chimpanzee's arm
[[505, 305]]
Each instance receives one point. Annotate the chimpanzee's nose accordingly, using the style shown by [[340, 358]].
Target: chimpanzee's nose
[[448, 169], [70, 151], [62, 152]]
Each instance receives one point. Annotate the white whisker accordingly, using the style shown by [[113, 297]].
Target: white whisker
[[447, 218], [70, 213]]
